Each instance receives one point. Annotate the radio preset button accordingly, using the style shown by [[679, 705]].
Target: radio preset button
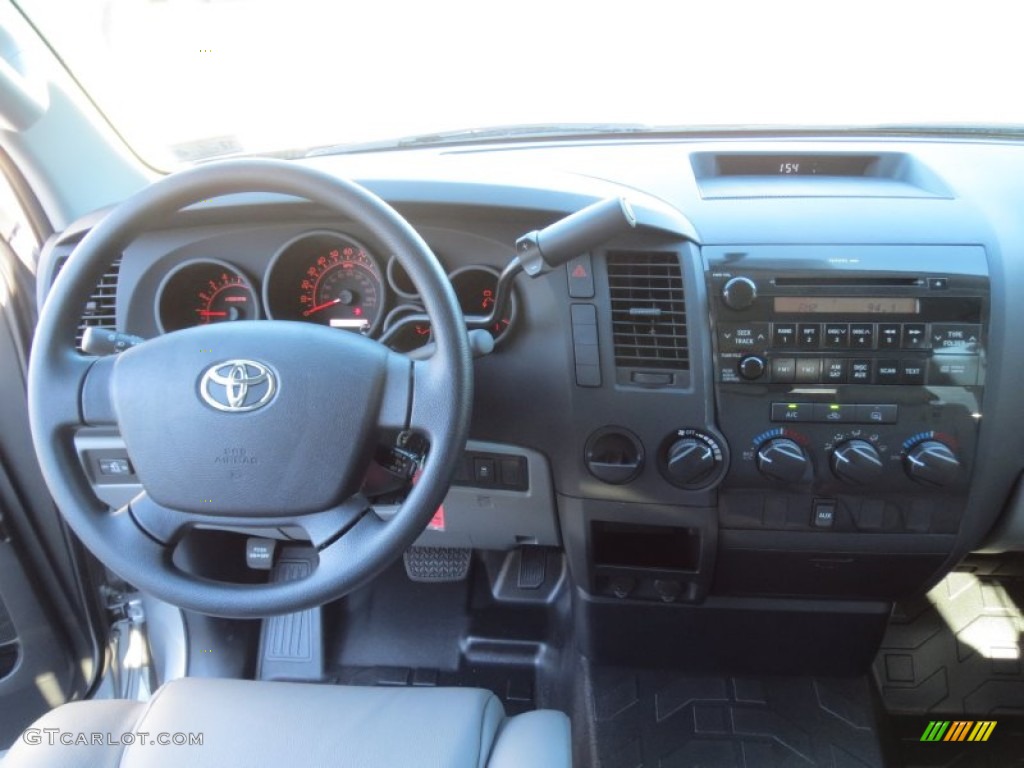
[[862, 335], [783, 370], [912, 372], [889, 335], [888, 372], [809, 335], [837, 335], [808, 370], [860, 372], [915, 336], [784, 335], [835, 371]]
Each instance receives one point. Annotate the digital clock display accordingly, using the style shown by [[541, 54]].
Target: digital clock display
[[794, 165], [846, 305]]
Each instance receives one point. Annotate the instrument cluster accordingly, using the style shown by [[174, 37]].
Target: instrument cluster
[[322, 277]]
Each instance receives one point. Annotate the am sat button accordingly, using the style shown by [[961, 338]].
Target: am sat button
[[835, 371], [877, 414]]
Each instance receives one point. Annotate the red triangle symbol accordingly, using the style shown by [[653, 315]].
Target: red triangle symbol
[[579, 271]]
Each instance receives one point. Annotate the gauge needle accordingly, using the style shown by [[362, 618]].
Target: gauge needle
[[210, 313], [318, 307]]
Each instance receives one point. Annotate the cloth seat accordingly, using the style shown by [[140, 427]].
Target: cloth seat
[[295, 725]]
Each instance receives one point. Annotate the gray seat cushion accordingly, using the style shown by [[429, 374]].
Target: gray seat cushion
[[244, 723]]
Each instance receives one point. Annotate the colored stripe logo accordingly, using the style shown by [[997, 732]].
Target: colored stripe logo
[[959, 730]]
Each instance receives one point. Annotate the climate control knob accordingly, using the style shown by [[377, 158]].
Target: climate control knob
[[857, 461], [691, 459], [690, 462], [932, 463], [782, 459], [739, 293]]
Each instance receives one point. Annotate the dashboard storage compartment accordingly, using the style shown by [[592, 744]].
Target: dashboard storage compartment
[[819, 565], [646, 562]]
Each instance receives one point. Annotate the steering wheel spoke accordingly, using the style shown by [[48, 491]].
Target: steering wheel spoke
[[97, 405], [431, 380]]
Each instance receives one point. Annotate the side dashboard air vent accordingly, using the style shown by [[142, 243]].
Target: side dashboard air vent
[[648, 310], [99, 311]]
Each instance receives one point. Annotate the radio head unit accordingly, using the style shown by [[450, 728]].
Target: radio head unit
[[843, 316]]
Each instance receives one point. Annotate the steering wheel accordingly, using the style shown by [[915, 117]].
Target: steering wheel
[[246, 425]]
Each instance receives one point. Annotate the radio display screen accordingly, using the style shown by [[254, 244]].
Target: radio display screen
[[847, 305]]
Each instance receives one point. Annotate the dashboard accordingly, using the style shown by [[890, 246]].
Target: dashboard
[[796, 378]]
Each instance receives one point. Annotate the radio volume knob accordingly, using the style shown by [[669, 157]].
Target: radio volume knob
[[857, 461], [782, 459], [932, 463], [739, 293]]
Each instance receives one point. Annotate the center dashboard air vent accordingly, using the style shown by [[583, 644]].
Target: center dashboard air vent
[[648, 313], [100, 308]]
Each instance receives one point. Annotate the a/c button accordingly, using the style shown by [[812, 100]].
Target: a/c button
[[792, 411]]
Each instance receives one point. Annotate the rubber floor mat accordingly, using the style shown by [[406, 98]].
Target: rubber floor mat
[[957, 650], [955, 656], [513, 685], [658, 718]]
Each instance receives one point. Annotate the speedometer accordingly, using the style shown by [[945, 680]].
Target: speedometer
[[326, 278]]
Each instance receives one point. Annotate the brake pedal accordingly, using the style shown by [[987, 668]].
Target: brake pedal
[[437, 564]]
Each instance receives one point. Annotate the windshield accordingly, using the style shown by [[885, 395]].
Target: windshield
[[186, 80]]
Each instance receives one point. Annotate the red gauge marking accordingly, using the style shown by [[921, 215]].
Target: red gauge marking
[[318, 307], [211, 313]]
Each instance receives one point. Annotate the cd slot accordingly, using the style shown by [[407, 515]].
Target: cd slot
[[847, 282]]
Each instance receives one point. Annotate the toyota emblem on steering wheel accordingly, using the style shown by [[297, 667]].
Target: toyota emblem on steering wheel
[[237, 386]]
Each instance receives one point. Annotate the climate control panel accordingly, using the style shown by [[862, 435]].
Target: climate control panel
[[848, 393]]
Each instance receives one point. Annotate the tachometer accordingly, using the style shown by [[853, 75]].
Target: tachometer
[[329, 279], [202, 292]]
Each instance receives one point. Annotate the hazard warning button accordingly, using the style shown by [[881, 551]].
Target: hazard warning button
[[581, 277]]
